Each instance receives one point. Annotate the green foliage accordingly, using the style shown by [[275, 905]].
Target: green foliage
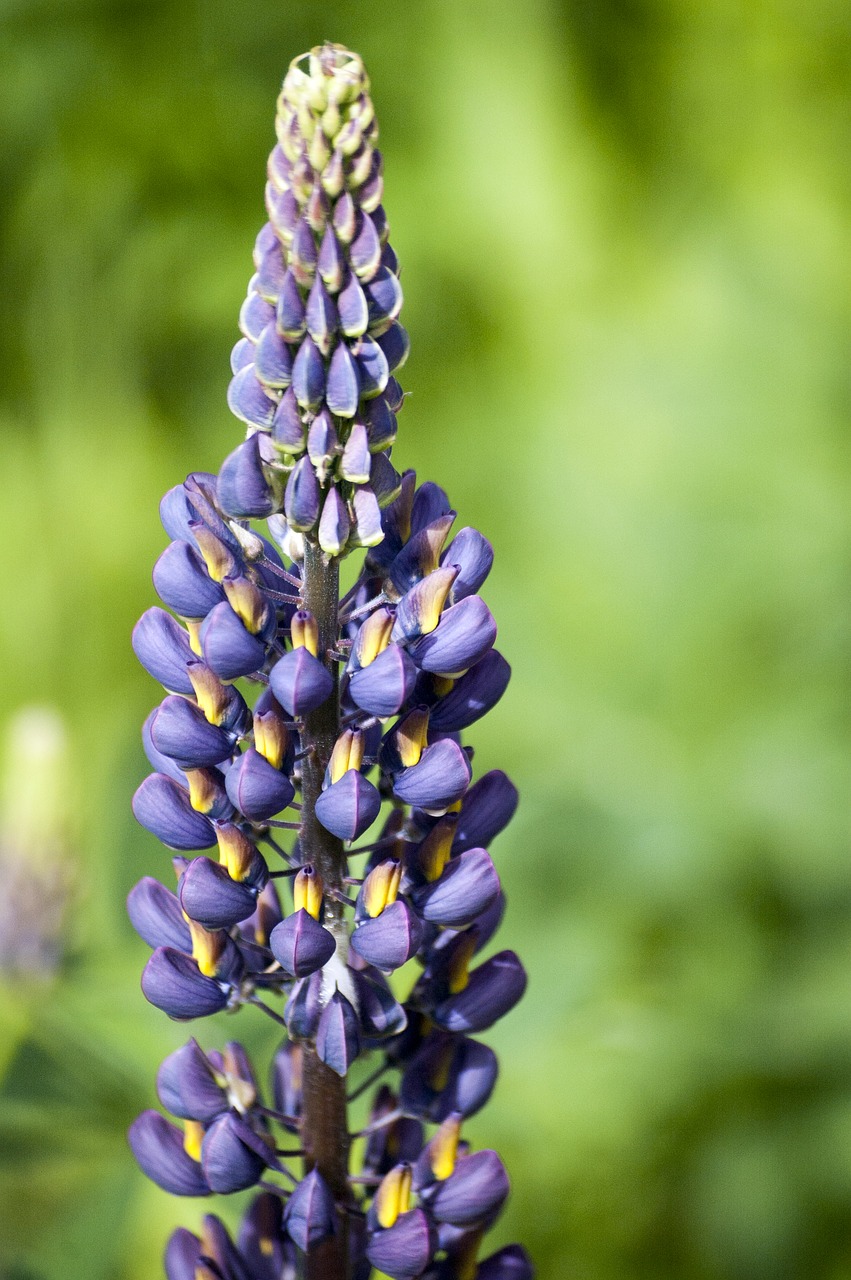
[[637, 216]]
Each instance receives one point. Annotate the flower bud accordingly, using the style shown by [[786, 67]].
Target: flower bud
[[187, 1085], [334, 524], [349, 807], [301, 945], [232, 1156], [310, 1215], [337, 1036], [242, 488], [300, 682], [248, 399]]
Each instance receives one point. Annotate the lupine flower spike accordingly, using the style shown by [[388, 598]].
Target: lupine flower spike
[[294, 724]]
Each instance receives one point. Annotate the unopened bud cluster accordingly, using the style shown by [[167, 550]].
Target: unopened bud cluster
[[312, 372], [410, 666]]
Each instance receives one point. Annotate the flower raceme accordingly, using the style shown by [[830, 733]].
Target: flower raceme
[[293, 716]]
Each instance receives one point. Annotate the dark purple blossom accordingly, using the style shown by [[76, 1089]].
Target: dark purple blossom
[[291, 718]]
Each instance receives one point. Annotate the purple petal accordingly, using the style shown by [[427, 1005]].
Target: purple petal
[[337, 1037], [365, 248], [182, 1254], [242, 488], [463, 636], [158, 1148], [384, 686], [173, 982], [248, 401], [162, 647], [472, 696], [156, 916], [396, 345], [478, 1186], [384, 299], [310, 1215], [439, 779], [380, 423], [290, 315], [242, 354], [229, 648], [162, 807], [231, 1155], [354, 308], [356, 463], [181, 730], [367, 531], [334, 523], [510, 1263], [300, 682], [321, 316], [446, 1075], [488, 807], [390, 939], [349, 806], [331, 261], [186, 1085], [182, 582], [302, 1009], [210, 896], [468, 886], [255, 313], [373, 370], [493, 989], [473, 555], [256, 788], [301, 945], [273, 359], [404, 1250]]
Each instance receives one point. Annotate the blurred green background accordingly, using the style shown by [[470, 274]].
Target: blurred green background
[[625, 236]]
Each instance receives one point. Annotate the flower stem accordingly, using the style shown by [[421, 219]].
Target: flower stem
[[325, 1122]]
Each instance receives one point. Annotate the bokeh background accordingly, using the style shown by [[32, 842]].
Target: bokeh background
[[624, 226]]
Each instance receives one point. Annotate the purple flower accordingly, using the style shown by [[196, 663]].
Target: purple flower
[[159, 1148], [283, 696]]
